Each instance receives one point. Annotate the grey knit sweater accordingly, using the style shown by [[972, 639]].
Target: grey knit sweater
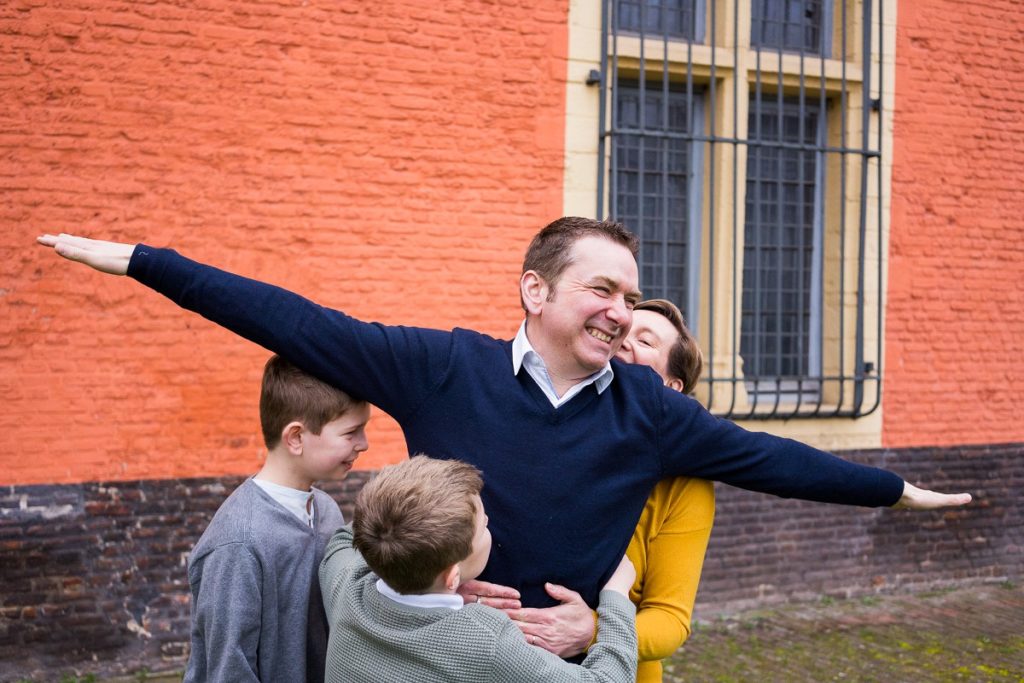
[[257, 614], [375, 639]]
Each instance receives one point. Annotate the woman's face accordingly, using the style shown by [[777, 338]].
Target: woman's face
[[649, 342]]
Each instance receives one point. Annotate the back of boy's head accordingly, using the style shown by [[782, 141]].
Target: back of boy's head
[[415, 519], [290, 395]]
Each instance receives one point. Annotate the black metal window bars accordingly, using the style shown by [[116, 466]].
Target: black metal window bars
[[751, 170]]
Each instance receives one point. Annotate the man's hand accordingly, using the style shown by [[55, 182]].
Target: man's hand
[[106, 257], [914, 498], [490, 594], [566, 629]]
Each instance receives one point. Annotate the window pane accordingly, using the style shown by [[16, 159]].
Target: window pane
[[674, 18], [779, 239], [789, 25], [651, 179]]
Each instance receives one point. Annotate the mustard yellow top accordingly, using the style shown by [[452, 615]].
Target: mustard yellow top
[[667, 550]]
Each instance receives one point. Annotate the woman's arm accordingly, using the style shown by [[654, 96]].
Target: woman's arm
[[668, 550]]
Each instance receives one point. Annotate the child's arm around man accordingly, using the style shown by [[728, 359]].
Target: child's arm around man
[[389, 584]]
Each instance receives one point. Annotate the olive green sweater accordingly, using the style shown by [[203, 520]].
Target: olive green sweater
[[374, 638]]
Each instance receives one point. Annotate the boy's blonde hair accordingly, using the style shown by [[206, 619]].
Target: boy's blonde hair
[[290, 395], [415, 519]]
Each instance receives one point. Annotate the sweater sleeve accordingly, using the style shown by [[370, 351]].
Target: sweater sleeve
[[612, 659], [339, 559], [395, 368], [694, 443], [228, 612], [674, 531]]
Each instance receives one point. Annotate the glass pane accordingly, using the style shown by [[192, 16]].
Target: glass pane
[[672, 18], [789, 25]]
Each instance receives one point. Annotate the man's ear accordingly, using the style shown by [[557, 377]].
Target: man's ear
[[675, 384], [534, 291], [291, 437]]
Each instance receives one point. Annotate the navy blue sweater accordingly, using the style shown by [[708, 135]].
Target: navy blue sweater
[[563, 487]]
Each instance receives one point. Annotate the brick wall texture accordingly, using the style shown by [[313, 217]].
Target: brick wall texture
[[766, 549], [391, 159], [954, 363]]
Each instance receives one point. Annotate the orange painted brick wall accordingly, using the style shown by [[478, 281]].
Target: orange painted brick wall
[[955, 317], [389, 158]]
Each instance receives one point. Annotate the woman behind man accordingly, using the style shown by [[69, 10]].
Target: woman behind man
[[672, 535]]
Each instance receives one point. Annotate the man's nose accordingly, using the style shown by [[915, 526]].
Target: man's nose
[[619, 312]]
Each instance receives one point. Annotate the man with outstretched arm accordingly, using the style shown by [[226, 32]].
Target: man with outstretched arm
[[570, 440]]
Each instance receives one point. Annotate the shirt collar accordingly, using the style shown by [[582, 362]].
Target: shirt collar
[[524, 353], [293, 500], [423, 600], [520, 347]]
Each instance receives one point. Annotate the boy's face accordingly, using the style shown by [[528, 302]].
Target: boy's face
[[331, 453], [472, 566]]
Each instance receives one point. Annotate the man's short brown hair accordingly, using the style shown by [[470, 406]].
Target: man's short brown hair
[[550, 252], [415, 519], [685, 361], [290, 395]]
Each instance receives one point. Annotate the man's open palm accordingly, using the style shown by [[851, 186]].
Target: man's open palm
[[106, 257]]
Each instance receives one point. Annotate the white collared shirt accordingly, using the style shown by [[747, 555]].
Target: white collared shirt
[[299, 503], [523, 356], [425, 600]]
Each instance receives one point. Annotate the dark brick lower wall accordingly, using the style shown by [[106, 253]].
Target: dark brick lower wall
[[92, 576], [765, 549]]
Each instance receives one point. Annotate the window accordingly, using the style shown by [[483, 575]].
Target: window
[[781, 249], [655, 167], [740, 140]]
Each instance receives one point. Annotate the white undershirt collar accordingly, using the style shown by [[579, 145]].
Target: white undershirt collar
[[524, 356], [293, 500], [423, 600]]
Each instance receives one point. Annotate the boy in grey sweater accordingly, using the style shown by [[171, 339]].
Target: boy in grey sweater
[[257, 614], [389, 584]]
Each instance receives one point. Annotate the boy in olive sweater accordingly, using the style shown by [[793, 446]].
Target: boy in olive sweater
[[389, 585]]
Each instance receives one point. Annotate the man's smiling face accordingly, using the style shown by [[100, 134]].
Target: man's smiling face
[[587, 313]]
